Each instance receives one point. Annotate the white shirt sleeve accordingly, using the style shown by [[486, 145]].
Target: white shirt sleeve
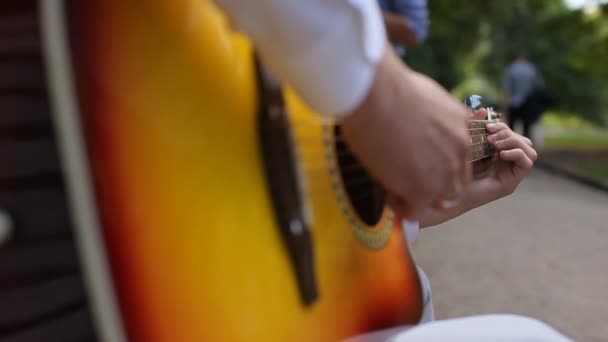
[[410, 230], [327, 50]]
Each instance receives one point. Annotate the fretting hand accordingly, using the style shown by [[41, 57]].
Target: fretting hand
[[513, 161], [411, 135]]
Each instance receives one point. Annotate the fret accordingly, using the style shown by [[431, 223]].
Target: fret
[[481, 150], [478, 139]]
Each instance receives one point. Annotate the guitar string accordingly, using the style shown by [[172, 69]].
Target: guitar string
[[341, 140], [474, 139], [364, 179], [316, 127], [360, 180], [483, 130], [319, 165], [343, 152], [355, 171], [331, 121], [315, 134], [357, 168]]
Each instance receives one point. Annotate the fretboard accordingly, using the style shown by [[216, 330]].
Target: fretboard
[[480, 147]]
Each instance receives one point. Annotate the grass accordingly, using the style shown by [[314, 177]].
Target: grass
[[564, 121], [572, 134], [585, 144], [566, 131], [578, 141], [596, 169]]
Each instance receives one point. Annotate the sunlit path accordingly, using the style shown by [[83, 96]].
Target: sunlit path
[[541, 252]]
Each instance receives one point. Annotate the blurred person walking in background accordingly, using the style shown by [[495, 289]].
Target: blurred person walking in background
[[524, 87]]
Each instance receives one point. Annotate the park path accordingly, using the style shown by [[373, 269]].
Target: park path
[[541, 252]]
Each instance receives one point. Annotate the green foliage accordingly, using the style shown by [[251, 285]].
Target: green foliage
[[584, 140], [471, 42], [556, 120], [596, 169]]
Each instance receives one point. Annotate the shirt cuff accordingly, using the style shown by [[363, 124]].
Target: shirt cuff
[[410, 230], [336, 75], [326, 51]]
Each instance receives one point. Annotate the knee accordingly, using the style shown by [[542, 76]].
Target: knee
[[497, 328], [523, 328]]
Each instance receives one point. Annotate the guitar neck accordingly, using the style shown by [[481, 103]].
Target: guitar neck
[[480, 147]]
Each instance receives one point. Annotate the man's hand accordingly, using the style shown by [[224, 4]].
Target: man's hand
[[514, 160], [411, 135]]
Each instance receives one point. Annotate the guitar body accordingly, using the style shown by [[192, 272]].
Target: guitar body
[[168, 104]]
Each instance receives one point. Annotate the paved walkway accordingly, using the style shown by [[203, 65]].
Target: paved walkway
[[542, 252]]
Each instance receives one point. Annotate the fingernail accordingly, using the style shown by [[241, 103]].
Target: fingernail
[[492, 138], [491, 127]]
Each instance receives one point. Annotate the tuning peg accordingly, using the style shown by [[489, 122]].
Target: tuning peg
[[492, 114], [474, 102]]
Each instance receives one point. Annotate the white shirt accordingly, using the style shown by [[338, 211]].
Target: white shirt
[[327, 50], [410, 230]]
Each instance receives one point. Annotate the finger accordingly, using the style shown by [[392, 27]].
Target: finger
[[504, 133], [500, 135], [508, 134], [497, 126], [503, 130], [513, 142], [518, 156]]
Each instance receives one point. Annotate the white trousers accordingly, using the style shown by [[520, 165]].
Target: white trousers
[[428, 313], [493, 328], [486, 328]]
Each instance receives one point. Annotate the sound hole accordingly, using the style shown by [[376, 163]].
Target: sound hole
[[365, 195]]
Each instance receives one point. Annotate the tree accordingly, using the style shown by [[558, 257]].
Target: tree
[[471, 43]]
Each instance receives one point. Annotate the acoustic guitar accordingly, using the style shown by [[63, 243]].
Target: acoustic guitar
[[161, 186]]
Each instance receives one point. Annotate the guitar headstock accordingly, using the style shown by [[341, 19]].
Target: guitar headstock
[[475, 102]]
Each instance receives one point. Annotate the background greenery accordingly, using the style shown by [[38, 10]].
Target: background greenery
[[472, 41]]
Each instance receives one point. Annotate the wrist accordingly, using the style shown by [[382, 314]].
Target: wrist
[[484, 191], [391, 77]]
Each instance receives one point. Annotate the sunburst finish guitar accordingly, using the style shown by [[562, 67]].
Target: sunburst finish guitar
[[172, 111], [208, 203]]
